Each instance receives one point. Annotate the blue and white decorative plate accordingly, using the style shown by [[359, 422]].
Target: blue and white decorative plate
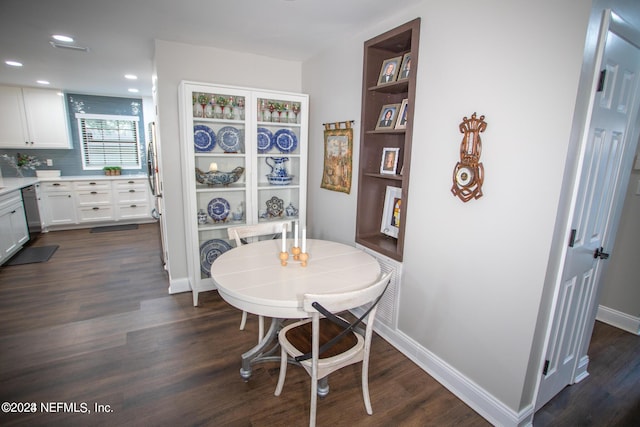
[[265, 140], [209, 251], [218, 209], [229, 139], [203, 138], [285, 140]]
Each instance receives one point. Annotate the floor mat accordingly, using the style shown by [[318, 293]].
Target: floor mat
[[114, 228], [33, 254]]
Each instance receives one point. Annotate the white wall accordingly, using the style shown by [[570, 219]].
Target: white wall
[[473, 273], [175, 62]]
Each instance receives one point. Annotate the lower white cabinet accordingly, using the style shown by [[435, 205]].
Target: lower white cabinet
[[57, 205], [94, 201], [72, 203], [132, 199], [13, 225]]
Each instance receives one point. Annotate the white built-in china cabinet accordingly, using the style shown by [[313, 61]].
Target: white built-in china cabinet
[[244, 154]]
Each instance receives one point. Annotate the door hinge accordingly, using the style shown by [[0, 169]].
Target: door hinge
[[572, 238], [545, 369], [603, 76]]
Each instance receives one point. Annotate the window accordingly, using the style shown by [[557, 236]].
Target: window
[[109, 141]]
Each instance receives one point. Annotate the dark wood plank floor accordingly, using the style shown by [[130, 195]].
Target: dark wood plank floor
[[95, 325]]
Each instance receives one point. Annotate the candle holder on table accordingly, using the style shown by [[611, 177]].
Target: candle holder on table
[[296, 253], [284, 256], [304, 257]]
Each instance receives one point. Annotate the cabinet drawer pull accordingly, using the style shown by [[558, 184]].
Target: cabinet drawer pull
[[131, 182], [133, 206], [94, 192], [96, 209], [56, 184], [13, 212], [132, 191], [92, 183]]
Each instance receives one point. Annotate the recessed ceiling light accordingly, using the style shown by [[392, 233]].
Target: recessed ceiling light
[[133, 90], [62, 38], [43, 82], [131, 76], [13, 63]]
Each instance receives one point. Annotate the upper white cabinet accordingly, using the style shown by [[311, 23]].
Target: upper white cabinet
[[33, 118], [257, 139]]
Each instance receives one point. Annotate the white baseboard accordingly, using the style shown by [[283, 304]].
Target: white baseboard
[[619, 319], [179, 285], [481, 401]]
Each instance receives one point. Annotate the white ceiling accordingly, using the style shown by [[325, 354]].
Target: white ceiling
[[120, 35]]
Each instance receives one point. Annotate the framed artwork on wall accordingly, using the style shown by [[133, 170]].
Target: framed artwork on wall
[[338, 153], [391, 214]]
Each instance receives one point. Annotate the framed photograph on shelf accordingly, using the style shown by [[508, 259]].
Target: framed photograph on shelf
[[391, 213], [389, 71], [405, 68], [401, 123], [387, 118], [389, 162]]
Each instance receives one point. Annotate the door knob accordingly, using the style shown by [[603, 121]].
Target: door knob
[[600, 254]]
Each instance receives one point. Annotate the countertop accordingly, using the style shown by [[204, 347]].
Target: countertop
[[7, 185]]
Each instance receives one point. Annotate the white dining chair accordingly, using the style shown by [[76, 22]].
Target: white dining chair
[[244, 234], [325, 342]]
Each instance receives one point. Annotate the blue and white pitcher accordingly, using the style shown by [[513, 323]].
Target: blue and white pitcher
[[277, 166]]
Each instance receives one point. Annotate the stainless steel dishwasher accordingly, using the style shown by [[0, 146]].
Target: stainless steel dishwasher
[[31, 211]]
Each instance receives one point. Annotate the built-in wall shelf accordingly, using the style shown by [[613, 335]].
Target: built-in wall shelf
[[372, 185]]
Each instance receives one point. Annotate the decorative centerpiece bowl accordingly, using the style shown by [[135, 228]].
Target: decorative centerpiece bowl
[[219, 178]]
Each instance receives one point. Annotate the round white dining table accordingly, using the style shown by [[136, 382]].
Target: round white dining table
[[251, 278]]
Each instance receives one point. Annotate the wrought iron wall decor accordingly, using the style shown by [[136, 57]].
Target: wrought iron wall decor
[[468, 175]]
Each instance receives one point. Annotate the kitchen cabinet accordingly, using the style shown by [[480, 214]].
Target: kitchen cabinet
[[57, 203], [258, 139], [93, 201], [373, 183], [33, 119], [131, 199], [78, 202], [13, 225]]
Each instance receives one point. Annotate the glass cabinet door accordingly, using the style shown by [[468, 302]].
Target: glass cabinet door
[[220, 166], [280, 165]]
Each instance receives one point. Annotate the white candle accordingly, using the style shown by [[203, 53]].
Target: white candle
[[284, 238], [304, 240], [213, 167], [295, 236]]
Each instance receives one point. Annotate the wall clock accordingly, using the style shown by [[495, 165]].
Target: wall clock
[[468, 175]]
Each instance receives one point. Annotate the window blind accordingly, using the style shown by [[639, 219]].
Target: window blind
[[109, 141]]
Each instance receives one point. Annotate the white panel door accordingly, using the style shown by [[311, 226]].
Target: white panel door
[[615, 107]]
